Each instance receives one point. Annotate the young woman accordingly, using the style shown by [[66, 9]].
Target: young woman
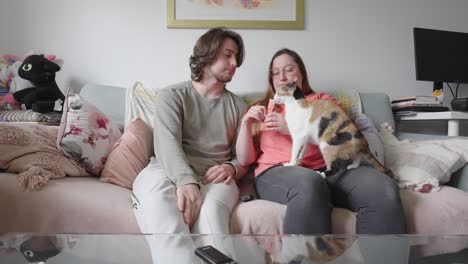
[[264, 139]]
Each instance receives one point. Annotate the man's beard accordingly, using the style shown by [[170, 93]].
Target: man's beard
[[222, 77]]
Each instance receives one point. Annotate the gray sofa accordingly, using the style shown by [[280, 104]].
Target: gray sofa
[[86, 205]]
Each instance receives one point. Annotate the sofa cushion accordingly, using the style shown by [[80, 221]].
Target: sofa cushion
[[130, 154], [444, 212], [86, 134], [67, 205]]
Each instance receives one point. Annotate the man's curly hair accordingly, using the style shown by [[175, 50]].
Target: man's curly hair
[[207, 47]]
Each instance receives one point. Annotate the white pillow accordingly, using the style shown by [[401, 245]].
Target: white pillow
[[140, 103], [422, 165]]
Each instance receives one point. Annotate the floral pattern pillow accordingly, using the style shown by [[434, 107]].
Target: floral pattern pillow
[[86, 134]]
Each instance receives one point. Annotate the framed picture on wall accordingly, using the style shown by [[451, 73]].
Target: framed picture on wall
[[252, 14]]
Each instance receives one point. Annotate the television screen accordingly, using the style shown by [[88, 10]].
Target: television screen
[[441, 56]]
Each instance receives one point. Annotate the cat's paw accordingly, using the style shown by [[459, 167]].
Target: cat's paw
[[288, 164], [353, 166]]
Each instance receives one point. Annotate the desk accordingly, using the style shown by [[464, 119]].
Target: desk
[[453, 119]]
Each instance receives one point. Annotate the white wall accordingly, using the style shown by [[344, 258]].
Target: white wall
[[361, 44]]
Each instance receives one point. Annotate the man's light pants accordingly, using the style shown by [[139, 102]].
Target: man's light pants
[[155, 206]]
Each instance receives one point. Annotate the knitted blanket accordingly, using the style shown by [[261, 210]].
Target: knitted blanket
[[30, 151]]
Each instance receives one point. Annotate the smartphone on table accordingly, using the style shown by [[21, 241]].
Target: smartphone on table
[[211, 255]]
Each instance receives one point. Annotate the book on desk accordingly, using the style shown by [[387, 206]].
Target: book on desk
[[413, 104], [418, 98]]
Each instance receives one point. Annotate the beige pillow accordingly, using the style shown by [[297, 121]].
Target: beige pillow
[[30, 151], [130, 154], [141, 104]]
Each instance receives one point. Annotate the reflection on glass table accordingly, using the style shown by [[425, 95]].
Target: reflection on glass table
[[243, 249]]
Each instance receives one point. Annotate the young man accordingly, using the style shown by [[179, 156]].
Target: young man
[[189, 186]]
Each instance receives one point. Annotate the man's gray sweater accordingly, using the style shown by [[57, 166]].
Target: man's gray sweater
[[193, 133]]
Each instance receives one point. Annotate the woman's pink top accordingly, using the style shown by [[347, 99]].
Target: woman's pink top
[[275, 148]]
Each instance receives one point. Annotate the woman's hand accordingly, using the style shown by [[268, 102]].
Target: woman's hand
[[255, 113], [220, 173], [276, 122]]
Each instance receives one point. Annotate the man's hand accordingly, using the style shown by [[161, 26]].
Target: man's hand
[[220, 173], [189, 201]]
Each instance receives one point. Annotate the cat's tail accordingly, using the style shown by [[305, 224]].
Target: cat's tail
[[376, 164]]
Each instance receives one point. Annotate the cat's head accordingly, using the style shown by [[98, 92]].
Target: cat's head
[[285, 93]]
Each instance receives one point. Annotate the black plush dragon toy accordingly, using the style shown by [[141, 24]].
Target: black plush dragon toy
[[41, 73]]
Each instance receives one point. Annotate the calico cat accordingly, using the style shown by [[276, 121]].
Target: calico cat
[[325, 124]]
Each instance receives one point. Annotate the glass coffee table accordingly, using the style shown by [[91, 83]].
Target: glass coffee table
[[243, 249]]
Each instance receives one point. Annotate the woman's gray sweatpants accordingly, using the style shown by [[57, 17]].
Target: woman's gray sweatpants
[[310, 199]]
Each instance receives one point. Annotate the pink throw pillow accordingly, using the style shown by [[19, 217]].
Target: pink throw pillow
[[86, 134], [130, 154]]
